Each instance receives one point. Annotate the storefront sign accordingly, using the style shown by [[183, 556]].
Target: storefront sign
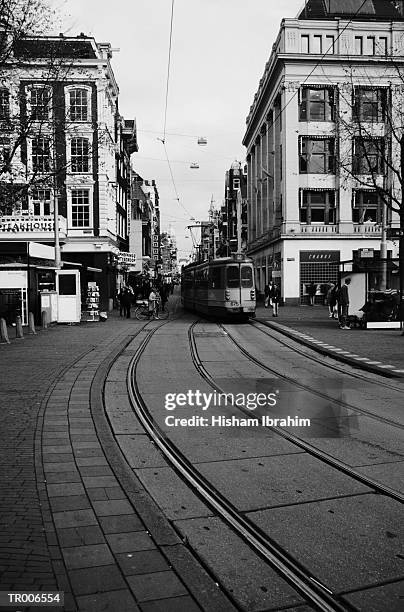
[[319, 256], [128, 259], [27, 226]]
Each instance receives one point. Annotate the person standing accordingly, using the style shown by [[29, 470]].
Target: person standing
[[344, 303], [153, 301], [266, 296], [126, 301], [312, 290], [274, 296]]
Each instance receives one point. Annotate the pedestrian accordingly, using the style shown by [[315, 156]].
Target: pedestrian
[[126, 299], [266, 296], [344, 303], [164, 292], [153, 303], [332, 294], [274, 297], [312, 290], [120, 300]]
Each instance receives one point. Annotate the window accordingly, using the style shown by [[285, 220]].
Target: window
[[40, 103], [370, 104], [317, 207], [78, 105], [370, 45], [330, 44], [317, 155], [41, 201], [317, 44], [246, 277], [366, 207], [368, 156], [382, 45], [233, 277], [358, 45], [4, 104], [305, 43], [317, 104], [41, 161], [215, 278], [80, 208], [5, 152], [236, 184], [79, 151]]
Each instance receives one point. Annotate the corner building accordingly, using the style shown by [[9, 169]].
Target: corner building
[[331, 70]]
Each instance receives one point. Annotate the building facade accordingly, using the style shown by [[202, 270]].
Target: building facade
[[313, 177], [233, 213], [69, 151]]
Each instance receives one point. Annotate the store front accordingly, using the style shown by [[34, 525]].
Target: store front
[[318, 268]]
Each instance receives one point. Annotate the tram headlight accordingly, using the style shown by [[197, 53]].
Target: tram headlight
[[252, 294]]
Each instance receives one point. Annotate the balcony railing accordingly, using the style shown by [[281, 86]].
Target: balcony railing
[[367, 228], [35, 225], [319, 229]]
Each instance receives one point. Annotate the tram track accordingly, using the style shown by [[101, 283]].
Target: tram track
[[306, 446], [265, 329], [312, 589], [305, 387]]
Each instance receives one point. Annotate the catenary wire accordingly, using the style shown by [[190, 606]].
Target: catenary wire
[[168, 69]]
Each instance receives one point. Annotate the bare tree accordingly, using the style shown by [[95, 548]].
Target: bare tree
[[370, 122]]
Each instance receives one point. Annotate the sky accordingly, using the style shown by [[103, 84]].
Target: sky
[[218, 53]]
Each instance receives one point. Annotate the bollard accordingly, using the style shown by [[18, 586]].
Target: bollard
[[31, 323], [44, 319], [18, 328], [4, 331]]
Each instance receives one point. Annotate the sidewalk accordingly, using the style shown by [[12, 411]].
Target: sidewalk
[[74, 516], [377, 350]]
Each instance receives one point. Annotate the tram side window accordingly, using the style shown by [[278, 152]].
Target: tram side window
[[215, 278], [246, 277], [233, 276]]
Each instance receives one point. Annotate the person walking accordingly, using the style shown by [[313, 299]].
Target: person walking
[[164, 293], [274, 296], [312, 290], [332, 301], [126, 301], [266, 296], [344, 303]]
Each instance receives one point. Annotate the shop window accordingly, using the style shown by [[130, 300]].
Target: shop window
[[78, 105], [80, 208], [40, 98], [317, 104], [317, 207], [41, 159], [368, 156], [367, 207], [370, 104], [317, 155], [4, 104], [79, 155]]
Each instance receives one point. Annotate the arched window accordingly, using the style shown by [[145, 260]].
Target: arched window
[[79, 155], [78, 105]]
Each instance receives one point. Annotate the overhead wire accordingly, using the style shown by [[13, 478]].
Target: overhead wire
[[320, 60], [168, 68]]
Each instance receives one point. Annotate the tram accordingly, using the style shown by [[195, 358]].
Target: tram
[[221, 287]]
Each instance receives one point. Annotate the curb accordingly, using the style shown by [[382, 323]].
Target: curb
[[363, 363]]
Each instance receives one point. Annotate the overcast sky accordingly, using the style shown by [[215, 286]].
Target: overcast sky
[[219, 51]]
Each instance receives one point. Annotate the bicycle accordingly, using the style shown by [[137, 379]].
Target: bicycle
[[142, 312]]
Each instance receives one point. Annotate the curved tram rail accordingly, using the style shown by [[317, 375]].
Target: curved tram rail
[[316, 593], [309, 448]]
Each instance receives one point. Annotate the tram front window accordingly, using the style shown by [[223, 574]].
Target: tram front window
[[246, 277], [233, 277]]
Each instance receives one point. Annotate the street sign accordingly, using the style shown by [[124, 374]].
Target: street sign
[[366, 253]]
